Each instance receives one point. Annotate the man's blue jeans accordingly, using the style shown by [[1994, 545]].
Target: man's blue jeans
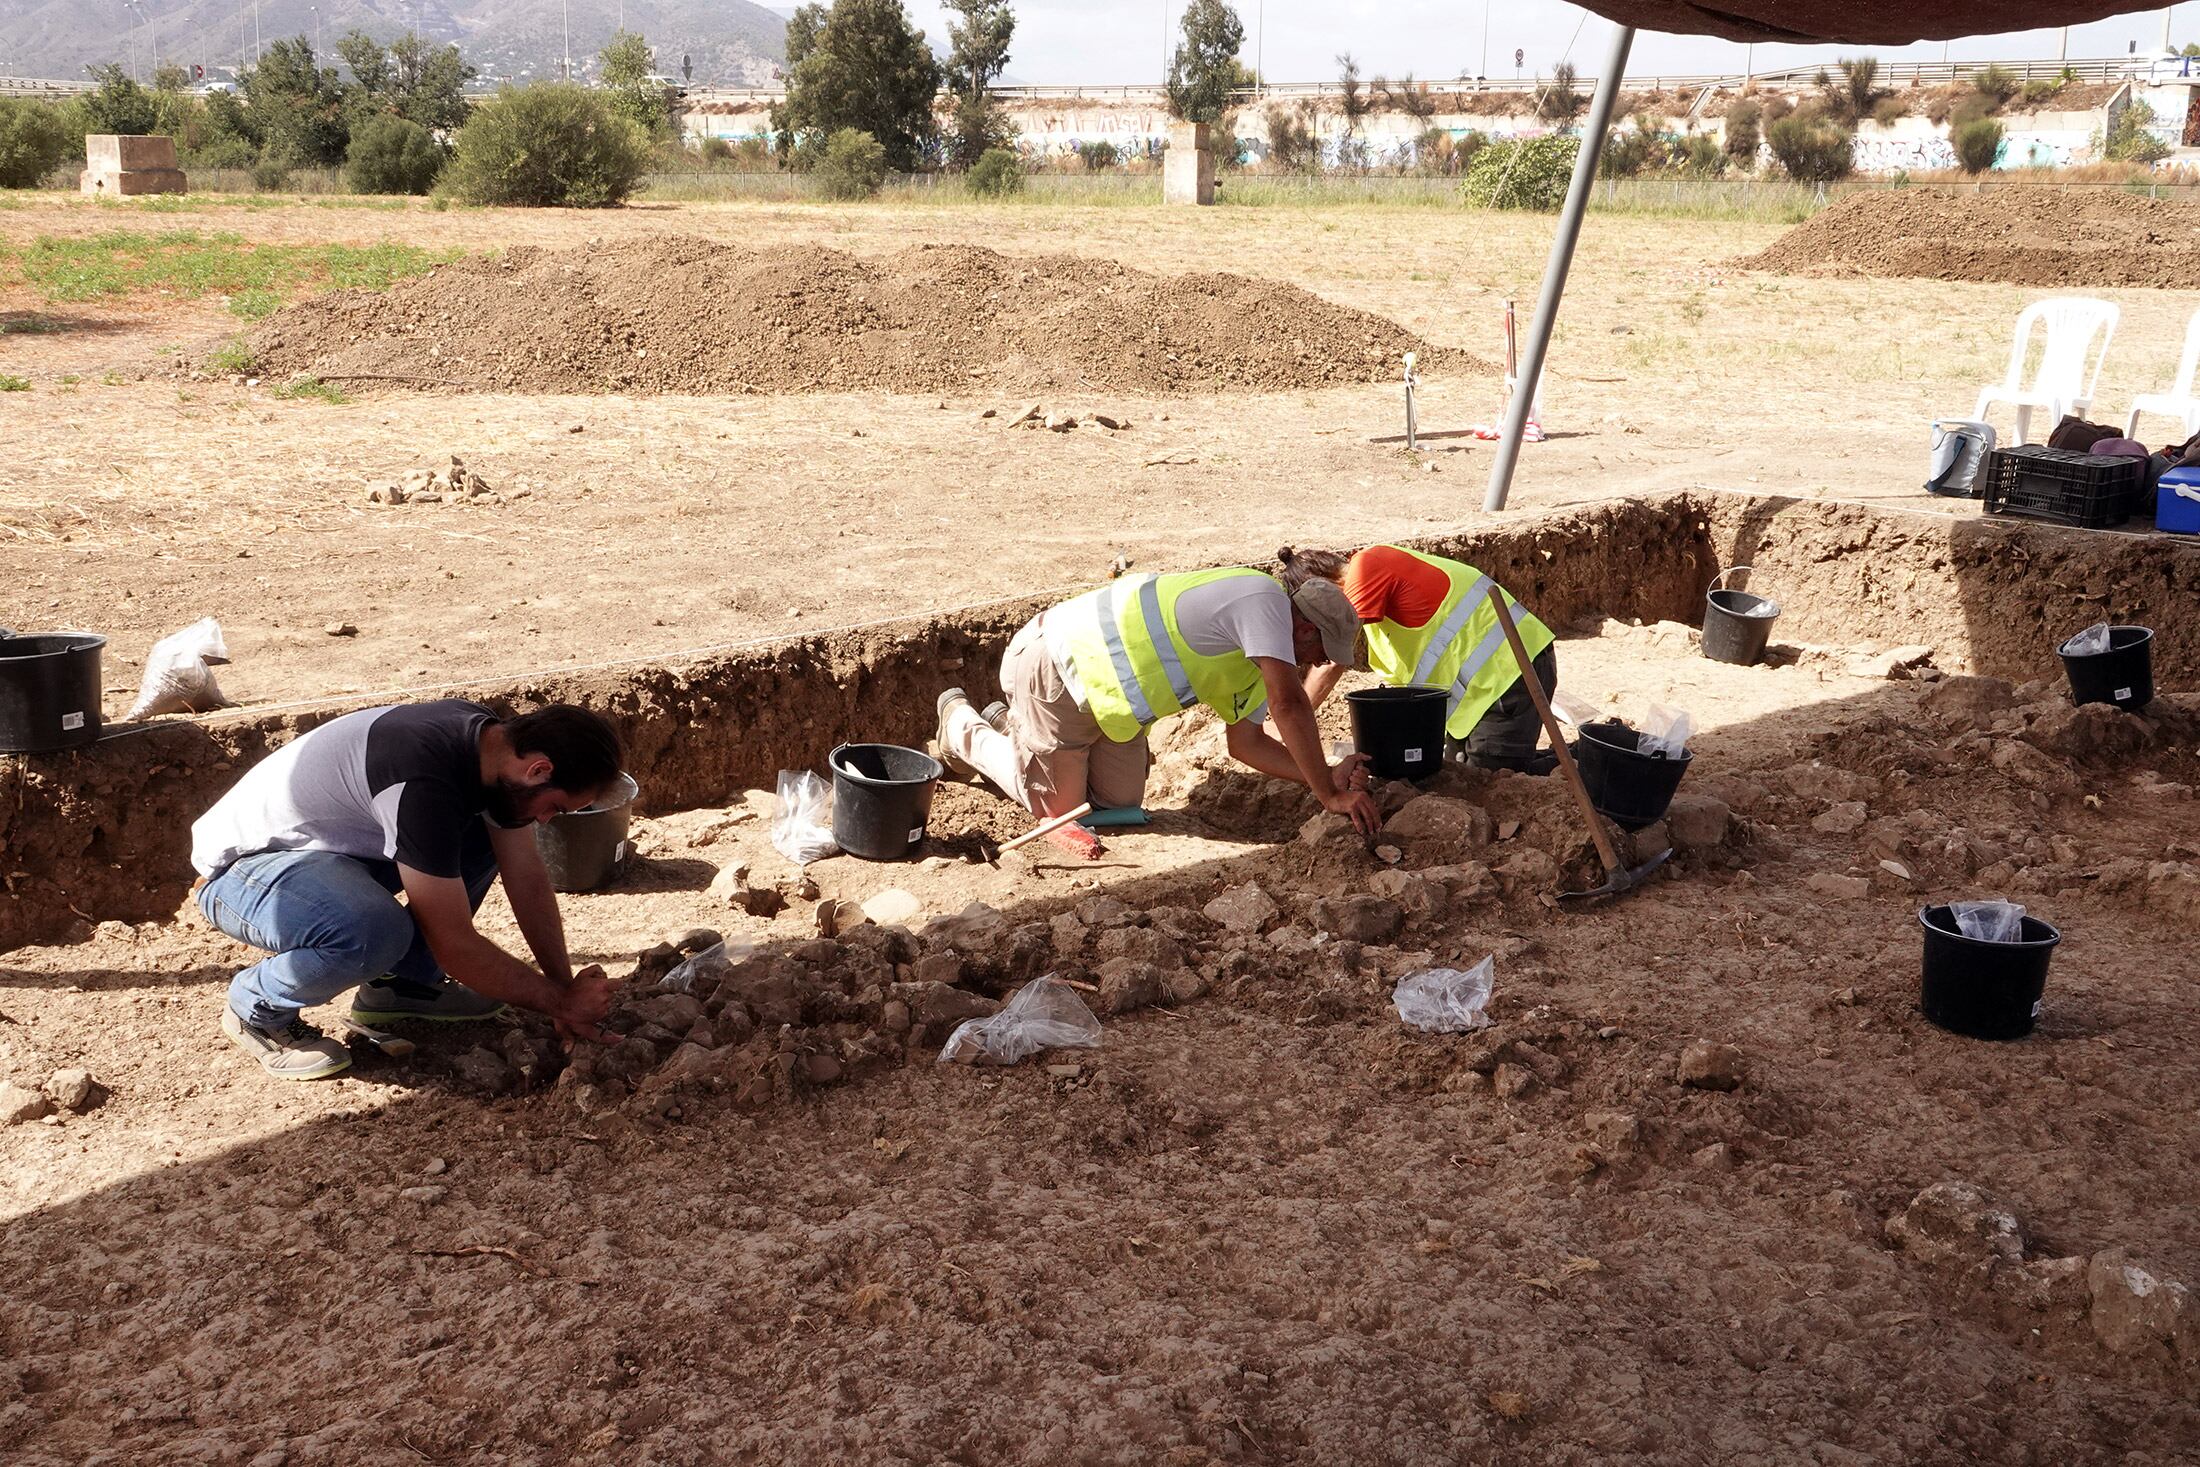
[[332, 922]]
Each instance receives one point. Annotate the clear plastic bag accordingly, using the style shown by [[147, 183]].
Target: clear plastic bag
[[2091, 642], [802, 830], [705, 970], [1446, 1000], [1045, 1014], [1665, 732], [1989, 921], [179, 675]]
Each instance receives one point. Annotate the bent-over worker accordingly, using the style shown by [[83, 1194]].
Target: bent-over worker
[[1429, 621], [305, 856], [1085, 681]]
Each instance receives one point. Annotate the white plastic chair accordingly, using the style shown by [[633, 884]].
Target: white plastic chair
[[2062, 384], [2178, 402]]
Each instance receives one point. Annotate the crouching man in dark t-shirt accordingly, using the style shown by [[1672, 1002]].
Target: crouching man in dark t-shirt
[[306, 855]]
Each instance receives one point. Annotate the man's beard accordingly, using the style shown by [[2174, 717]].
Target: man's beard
[[506, 799]]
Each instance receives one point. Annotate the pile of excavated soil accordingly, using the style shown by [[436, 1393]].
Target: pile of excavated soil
[[2051, 238], [691, 316]]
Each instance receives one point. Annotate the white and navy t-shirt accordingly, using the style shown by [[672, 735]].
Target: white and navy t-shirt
[[391, 784]]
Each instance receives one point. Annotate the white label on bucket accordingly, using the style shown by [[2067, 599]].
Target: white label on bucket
[[72, 720], [2037, 1005], [916, 835], [2122, 693], [1413, 756]]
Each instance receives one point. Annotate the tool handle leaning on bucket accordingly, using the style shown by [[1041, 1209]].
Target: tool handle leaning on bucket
[[1534, 685]]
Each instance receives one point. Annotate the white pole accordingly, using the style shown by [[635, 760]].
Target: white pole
[[2062, 47], [1522, 401], [2167, 12], [1483, 73], [565, 21], [256, 52]]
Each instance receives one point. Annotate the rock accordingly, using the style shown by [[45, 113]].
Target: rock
[[1897, 870], [436, 1167], [1183, 986], [1698, 823], [1241, 908], [2172, 889], [1845, 818], [1717, 1157], [698, 939], [1060, 422], [2134, 1309], [1140, 944], [977, 928], [1326, 825], [1112, 424], [1104, 912], [676, 1012], [820, 1069], [1964, 703], [943, 968], [936, 1003], [2030, 766], [1512, 1081], [483, 1069], [1413, 892], [894, 1017], [19, 1104], [1031, 411], [1617, 1134], [1956, 1223], [1897, 662], [385, 493], [732, 886], [425, 1196], [1359, 918], [341, 629], [1126, 985], [74, 1089], [2098, 732], [1708, 1066], [892, 906], [2056, 1284], [1389, 855], [1441, 821], [1839, 887]]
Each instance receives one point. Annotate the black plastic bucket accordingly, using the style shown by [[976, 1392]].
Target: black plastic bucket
[[49, 691], [1401, 730], [1986, 990], [1629, 789], [882, 795], [586, 848], [1736, 624], [2122, 676]]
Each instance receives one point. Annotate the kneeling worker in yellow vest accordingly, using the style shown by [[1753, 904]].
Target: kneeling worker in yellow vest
[[1086, 679], [1429, 621]]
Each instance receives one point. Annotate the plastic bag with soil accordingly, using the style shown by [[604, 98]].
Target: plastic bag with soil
[[1045, 1014], [179, 673], [2091, 642], [703, 972], [1447, 1000], [1989, 921], [1665, 732], [802, 830]]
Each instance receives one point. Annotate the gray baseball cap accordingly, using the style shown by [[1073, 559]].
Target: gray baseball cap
[[1330, 610]]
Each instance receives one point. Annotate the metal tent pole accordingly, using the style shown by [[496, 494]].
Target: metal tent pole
[[1554, 272]]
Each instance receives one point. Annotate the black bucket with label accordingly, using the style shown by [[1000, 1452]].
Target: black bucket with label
[[882, 796], [2122, 676], [585, 848], [49, 691], [1628, 787], [1736, 624], [1401, 730], [1984, 990]]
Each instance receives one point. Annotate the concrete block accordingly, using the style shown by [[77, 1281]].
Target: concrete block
[[1188, 167], [112, 153], [132, 182]]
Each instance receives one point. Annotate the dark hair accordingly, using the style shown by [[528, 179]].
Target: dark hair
[[1301, 566], [582, 747]]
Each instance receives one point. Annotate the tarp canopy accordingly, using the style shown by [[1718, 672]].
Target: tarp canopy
[[1853, 22]]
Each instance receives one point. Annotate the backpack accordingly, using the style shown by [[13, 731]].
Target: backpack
[[1960, 447]]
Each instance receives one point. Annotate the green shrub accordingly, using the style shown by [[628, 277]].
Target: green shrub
[[222, 152], [1996, 84], [2128, 140], [1743, 133], [1888, 111], [715, 151], [1521, 173], [1701, 156], [853, 166], [1977, 144], [547, 145], [15, 384], [2039, 90], [392, 156], [271, 172], [997, 171], [34, 139], [1100, 155], [1811, 148]]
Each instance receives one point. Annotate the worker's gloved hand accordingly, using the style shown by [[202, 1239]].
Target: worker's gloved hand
[[1355, 806], [587, 1001]]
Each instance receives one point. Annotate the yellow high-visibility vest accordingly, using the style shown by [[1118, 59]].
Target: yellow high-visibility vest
[[1137, 667], [1462, 648]]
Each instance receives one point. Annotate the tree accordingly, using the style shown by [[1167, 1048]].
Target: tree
[[978, 32], [1560, 101], [116, 103], [1812, 147], [626, 67], [1205, 69], [169, 77], [996, 172], [1408, 96], [34, 140], [1521, 173], [413, 79], [854, 165], [549, 144], [1351, 101], [1292, 146], [1851, 98], [1742, 131], [298, 105], [2129, 140], [860, 65], [1977, 144], [390, 155]]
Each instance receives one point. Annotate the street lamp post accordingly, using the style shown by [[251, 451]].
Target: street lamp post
[[565, 22]]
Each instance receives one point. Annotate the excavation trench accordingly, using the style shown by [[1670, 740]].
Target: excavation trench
[[103, 833]]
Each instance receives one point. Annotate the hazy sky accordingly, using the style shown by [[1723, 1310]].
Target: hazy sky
[[1076, 41]]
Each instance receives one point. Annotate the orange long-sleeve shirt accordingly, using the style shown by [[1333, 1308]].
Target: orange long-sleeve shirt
[[1384, 583]]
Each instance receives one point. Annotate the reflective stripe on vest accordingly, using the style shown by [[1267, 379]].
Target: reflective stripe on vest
[[1111, 648], [1462, 649]]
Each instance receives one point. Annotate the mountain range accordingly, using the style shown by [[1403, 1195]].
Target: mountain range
[[727, 41]]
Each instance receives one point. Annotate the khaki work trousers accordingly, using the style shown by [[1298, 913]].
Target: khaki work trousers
[[1054, 756]]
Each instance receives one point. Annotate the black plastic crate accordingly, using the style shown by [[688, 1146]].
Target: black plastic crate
[[2089, 490]]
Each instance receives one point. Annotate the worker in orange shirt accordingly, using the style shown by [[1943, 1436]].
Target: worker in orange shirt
[[1428, 621]]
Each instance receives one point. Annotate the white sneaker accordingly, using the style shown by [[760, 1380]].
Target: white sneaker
[[297, 1051]]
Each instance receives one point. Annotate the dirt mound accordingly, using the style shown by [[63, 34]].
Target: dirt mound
[[2044, 237], [692, 316]]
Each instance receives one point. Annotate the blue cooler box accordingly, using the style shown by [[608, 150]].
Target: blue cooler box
[[2177, 502]]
